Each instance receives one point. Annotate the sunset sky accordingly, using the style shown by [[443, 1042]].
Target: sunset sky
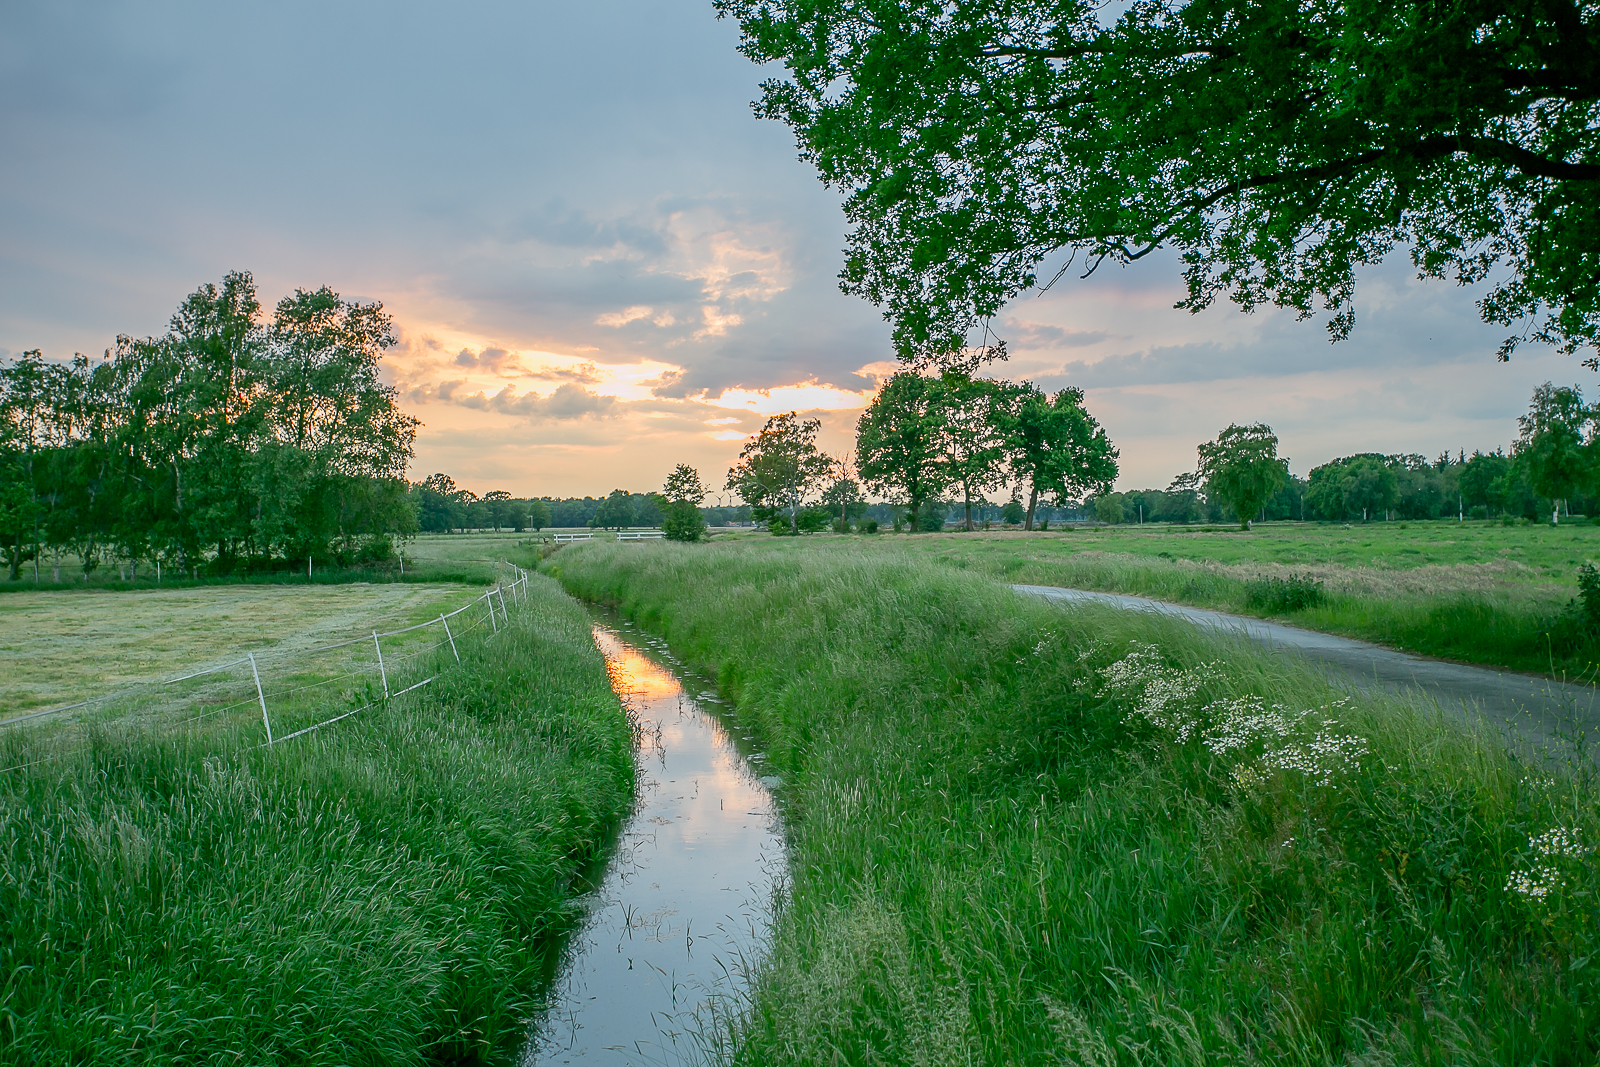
[[600, 263]]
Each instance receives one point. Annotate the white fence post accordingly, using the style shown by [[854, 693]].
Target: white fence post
[[261, 697], [488, 602], [381, 672], [502, 592], [451, 636]]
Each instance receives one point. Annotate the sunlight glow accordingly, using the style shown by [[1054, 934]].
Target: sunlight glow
[[806, 396]]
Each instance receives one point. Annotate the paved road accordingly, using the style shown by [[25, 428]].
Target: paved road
[[1539, 711]]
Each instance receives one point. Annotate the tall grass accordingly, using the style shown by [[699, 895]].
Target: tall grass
[[1522, 629], [385, 890], [1006, 852]]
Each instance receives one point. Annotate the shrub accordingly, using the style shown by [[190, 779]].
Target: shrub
[[1589, 592], [683, 522], [1294, 593], [813, 519]]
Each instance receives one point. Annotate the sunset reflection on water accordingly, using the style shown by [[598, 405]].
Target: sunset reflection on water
[[684, 911]]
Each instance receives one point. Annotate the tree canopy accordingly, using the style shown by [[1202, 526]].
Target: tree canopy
[[780, 468], [898, 442], [684, 484], [1055, 446], [971, 439], [683, 492], [1242, 468], [1277, 145], [1553, 447], [1354, 486], [229, 441]]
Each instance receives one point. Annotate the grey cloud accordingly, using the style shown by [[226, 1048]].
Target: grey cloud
[[1036, 336], [92, 61], [494, 360], [567, 402], [669, 386], [567, 227], [582, 373]]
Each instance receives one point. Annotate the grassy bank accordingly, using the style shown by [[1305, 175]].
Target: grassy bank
[[1024, 834], [381, 891], [1476, 602]]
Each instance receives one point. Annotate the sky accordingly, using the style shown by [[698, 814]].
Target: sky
[[599, 263]]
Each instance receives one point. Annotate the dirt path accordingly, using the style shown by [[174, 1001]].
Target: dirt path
[[1540, 712]]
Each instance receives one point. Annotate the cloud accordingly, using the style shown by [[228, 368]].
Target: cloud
[[1038, 336], [582, 373], [668, 384], [622, 318], [494, 360], [569, 401]]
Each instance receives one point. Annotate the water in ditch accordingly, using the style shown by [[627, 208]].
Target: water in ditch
[[681, 916]]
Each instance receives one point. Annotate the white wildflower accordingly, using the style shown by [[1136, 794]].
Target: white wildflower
[[1163, 692], [1544, 878], [1535, 884], [1321, 759], [1245, 721], [1558, 841]]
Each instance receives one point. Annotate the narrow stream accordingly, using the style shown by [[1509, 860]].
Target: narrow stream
[[681, 917]]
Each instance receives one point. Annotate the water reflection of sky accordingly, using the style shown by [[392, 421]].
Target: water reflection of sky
[[681, 915]]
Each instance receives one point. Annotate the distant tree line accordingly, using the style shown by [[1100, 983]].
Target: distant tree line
[[230, 442], [927, 441], [442, 506], [1552, 468]]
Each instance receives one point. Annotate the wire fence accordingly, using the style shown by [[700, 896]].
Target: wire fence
[[288, 691]]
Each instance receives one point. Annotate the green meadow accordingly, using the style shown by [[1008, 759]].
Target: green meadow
[[1027, 834], [1477, 592], [390, 889]]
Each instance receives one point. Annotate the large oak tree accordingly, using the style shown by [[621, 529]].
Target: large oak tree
[[1277, 144]]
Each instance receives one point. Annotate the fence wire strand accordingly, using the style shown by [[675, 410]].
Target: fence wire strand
[[474, 622]]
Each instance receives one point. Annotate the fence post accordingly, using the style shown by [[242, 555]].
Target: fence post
[[381, 672], [494, 621], [451, 636], [503, 611], [261, 697]]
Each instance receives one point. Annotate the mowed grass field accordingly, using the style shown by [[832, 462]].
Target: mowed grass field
[[1026, 834], [1477, 592], [388, 889], [58, 647]]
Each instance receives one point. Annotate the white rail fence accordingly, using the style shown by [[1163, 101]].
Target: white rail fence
[[214, 689], [622, 535]]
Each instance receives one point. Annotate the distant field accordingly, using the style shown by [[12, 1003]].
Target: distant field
[[59, 648], [1532, 553], [1476, 592], [480, 554], [1530, 564]]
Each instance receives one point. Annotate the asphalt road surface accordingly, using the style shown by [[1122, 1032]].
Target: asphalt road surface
[[1544, 714]]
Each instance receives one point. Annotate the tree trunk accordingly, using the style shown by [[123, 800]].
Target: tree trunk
[[1033, 501], [967, 492], [1555, 513]]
